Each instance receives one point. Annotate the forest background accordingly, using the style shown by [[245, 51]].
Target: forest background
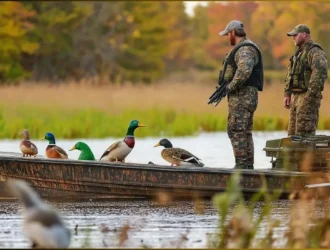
[[85, 69]]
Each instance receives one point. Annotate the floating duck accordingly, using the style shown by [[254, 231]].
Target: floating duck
[[86, 152], [119, 150], [42, 224], [52, 150], [178, 156], [26, 146]]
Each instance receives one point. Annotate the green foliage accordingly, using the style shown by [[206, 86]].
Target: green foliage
[[90, 123], [54, 25], [15, 25], [141, 59]]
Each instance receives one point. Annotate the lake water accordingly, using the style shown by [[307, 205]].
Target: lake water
[[98, 222], [213, 148]]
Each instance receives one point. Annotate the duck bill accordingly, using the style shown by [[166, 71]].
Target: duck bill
[[73, 148], [157, 145], [141, 125]]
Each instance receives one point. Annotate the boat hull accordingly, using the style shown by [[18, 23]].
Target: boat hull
[[71, 178]]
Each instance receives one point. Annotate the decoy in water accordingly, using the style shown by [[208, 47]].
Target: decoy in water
[[42, 224]]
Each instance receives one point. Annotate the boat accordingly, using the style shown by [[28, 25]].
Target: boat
[[73, 179], [56, 178]]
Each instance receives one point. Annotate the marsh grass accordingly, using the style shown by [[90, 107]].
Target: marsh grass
[[88, 110], [239, 224]]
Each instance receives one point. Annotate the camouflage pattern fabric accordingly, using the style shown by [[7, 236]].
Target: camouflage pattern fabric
[[246, 58], [304, 114], [304, 108], [242, 102]]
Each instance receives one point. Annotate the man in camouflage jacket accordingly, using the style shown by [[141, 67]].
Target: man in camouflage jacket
[[307, 73], [244, 72]]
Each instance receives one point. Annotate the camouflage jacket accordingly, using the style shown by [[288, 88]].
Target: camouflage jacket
[[317, 61], [246, 58]]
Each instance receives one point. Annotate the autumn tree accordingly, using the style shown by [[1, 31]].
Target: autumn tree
[[54, 22], [15, 24]]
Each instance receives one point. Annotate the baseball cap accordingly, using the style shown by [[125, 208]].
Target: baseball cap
[[233, 25], [300, 28]]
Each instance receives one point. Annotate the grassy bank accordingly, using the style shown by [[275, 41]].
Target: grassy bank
[[169, 109], [98, 124]]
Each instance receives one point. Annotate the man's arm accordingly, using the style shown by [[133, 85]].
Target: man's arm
[[287, 91], [246, 58], [319, 65]]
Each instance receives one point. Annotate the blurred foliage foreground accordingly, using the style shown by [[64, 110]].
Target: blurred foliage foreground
[[240, 220], [252, 223]]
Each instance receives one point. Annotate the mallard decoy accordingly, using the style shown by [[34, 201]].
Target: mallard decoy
[[86, 152], [178, 156], [119, 150], [42, 224], [26, 146], [52, 150]]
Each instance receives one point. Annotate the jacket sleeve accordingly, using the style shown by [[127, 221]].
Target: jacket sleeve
[[287, 91], [319, 66], [246, 58]]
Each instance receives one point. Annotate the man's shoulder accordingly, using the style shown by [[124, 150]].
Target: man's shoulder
[[316, 49], [316, 53], [247, 49]]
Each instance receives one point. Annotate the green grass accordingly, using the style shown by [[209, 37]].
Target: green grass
[[91, 123]]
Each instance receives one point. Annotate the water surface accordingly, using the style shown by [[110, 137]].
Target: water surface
[[213, 148], [178, 224]]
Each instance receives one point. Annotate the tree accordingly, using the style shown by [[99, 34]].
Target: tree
[[15, 24], [54, 24], [199, 36], [177, 35], [141, 58], [220, 14]]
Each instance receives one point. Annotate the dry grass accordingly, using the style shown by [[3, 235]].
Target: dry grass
[[117, 98]]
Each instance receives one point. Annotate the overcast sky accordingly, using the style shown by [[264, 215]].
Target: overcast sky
[[191, 4]]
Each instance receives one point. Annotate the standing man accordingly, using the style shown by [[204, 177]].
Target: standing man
[[244, 72], [307, 73]]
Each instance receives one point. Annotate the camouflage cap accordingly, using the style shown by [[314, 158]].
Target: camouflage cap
[[300, 28], [233, 25]]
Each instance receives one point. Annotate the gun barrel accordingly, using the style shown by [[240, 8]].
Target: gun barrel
[[218, 94]]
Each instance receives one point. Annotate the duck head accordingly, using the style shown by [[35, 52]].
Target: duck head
[[79, 146], [50, 137], [132, 126], [165, 143], [26, 134]]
